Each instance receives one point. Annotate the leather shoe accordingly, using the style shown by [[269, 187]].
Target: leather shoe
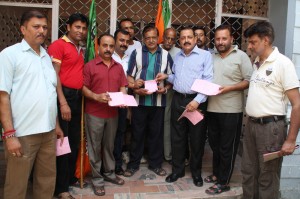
[[198, 181], [119, 171], [173, 177]]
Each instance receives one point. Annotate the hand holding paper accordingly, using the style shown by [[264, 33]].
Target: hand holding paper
[[274, 155], [64, 148], [194, 116], [205, 87]]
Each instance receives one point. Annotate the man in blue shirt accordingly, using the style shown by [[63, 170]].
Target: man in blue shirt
[[190, 64]]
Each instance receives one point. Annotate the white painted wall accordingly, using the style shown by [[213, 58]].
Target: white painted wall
[[296, 38]]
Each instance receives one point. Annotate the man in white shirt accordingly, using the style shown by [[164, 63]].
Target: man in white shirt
[[28, 111]]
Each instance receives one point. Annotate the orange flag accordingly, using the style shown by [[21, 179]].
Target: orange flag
[[163, 18]]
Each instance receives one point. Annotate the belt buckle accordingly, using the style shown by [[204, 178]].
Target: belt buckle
[[261, 120]]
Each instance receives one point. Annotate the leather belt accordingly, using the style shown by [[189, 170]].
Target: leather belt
[[267, 119], [72, 90], [186, 95]]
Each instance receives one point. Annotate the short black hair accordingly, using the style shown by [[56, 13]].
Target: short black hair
[[148, 28], [77, 17], [122, 20], [104, 34], [124, 32], [27, 15], [200, 28], [186, 28], [261, 29], [224, 27]]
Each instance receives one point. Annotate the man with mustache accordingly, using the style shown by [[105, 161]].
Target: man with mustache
[[232, 70], [67, 58], [102, 75], [201, 37], [266, 105], [169, 40], [127, 24], [28, 111], [144, 64], [122, 38], [190, 64]]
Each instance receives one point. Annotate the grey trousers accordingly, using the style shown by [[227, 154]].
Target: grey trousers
[[261, 180], [101, 134], [167, 126], [38, 150]]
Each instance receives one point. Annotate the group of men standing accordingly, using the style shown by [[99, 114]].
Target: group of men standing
[[39, 101]]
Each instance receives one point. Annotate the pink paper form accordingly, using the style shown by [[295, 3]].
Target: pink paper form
[[120, 99], [64, 148], [194, 116], [151, 86], [205, 87]]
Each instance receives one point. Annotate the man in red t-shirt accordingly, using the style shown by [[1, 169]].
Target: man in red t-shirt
[[67, 58], [101, 75]]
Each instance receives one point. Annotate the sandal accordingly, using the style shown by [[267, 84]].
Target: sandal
[[130, 172], [77, 184], [217, 189], [117, 180], [65, 195], [159, 171], [99, 191], [210, 179]]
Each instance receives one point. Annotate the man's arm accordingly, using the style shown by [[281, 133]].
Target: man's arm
[[235, 87], [103, 97], [63, 104], [12, 144], [136, 86], [288, 146]]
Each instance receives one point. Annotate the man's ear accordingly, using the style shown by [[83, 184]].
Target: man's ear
[[22, 28], [68, 27]]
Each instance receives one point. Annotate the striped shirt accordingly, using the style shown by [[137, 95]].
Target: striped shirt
[[146, 65], [188, 68]]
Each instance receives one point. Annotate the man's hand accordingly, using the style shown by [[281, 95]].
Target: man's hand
[[161, 90], [192, 106], [225, 89], [102, 98], [160, 77], [65, 112], [13, 146], [287, 148], [59, 133], [138, 83], [141, 92]]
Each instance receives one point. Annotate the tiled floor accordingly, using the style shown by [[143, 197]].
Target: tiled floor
[[146, 185]]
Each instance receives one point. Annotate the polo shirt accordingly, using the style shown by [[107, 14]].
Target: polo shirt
[[145, 65], [30, 80], [268, 85], [230, 70], [71, 58], [101, 79]]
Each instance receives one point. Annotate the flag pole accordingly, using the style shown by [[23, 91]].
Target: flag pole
[[81, 142]]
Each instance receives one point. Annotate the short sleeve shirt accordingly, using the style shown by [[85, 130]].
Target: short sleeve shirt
[[64, 52], [268, 85], [230, 70], [30, 80], [101, 79]]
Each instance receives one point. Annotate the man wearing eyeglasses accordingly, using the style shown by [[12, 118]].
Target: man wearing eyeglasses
[[144, 64]]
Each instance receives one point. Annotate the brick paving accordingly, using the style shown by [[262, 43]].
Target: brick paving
[[146, 185]]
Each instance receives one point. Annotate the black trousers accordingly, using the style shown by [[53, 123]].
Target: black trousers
[[66, 164], [224, 131], [181, 130], [147, 120]]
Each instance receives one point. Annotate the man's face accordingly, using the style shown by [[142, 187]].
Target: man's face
[[128, 26], [223, 41], [257, 45], [77, 31], [201, 38], [35, 31], [187, 40], [150, 40], [106, 47], [122, 42], [169, 39]]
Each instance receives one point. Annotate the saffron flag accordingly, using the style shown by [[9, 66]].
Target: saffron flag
[[91, 43], [163, 18]]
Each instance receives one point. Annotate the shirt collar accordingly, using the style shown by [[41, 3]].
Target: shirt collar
[[99, 60], [272, 57], [158, 50], [25, 47], [234, 49], [66, 39], [125, 55], [195, 50]]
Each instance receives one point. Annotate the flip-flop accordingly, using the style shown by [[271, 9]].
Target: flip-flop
[[217, 189], [159, 171], [130, 172], [117, 180], [210, 179], [99, 191]]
